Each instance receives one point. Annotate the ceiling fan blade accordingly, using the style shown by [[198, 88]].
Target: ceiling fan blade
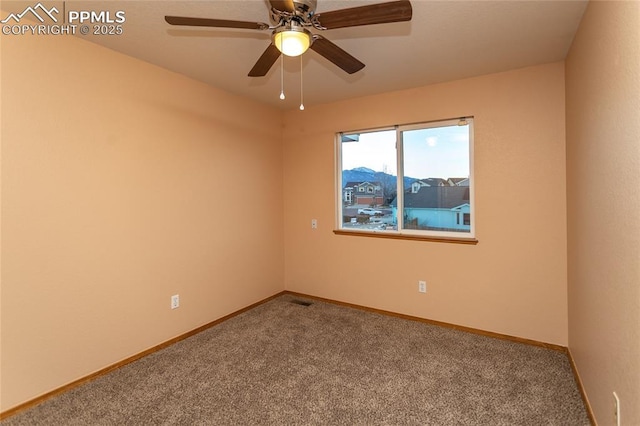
[[265, 62], [381, 13], [218, 23], [336, 55], [282, 5]]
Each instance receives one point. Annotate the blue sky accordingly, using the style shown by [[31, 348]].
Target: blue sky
[[434, 152]]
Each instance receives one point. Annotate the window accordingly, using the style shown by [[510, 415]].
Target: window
[[419, 178]]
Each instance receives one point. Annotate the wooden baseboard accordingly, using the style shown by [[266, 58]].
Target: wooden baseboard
[[33, 402], [576, 376], [438, 323], [40, 399], [551, 346]]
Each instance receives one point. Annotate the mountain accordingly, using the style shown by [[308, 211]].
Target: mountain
[[362, 174], [364, 169]]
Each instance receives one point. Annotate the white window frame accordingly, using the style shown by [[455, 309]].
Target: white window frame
[[447, 235]]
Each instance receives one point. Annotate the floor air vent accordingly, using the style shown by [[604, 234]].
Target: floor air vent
[[302, 302]]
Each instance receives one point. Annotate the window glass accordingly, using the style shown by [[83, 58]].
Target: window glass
[[414, 179], [369, 180], [436, 168]]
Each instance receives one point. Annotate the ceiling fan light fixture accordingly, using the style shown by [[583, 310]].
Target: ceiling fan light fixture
[[292, 40]]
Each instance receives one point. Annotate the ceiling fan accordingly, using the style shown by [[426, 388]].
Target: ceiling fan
[[290, 35]]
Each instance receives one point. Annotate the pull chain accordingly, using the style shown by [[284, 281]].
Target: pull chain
[[301, 87], [282, 77], [281, 72]]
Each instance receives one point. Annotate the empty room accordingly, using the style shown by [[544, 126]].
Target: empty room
[[320, 212]]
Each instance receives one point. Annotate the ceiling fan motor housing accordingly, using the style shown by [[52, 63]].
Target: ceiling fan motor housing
[[304, 8]]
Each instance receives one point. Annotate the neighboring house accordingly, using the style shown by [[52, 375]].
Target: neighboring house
[[363, 193], [437, 207], [428, 182], [458, 181]]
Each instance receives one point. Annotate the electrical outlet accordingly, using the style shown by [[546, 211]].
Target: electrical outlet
[[175, 301], [422, 286], [314, 223], [616, 407]]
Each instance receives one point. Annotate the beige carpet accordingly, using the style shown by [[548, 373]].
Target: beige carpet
[[283, 363]]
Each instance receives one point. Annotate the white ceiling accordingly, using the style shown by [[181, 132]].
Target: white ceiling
[[446, 40]]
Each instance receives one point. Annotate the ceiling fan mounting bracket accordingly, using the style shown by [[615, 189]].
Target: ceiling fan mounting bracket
[[316, 24]]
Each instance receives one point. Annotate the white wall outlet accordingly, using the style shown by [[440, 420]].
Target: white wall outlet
[[175, 301], [314, 223], [616, 407], [422, 286]]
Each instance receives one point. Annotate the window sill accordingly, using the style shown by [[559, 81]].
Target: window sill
[[397, 236]]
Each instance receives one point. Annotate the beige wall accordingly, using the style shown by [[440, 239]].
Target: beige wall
[[514, 280], [603, 160], [123, 184]]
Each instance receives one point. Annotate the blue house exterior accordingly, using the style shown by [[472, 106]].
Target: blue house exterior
[[445, 208]]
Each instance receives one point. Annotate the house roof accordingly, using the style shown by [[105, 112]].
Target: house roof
[[458, 180], [432, 181], [353, 184], [436, 197]]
